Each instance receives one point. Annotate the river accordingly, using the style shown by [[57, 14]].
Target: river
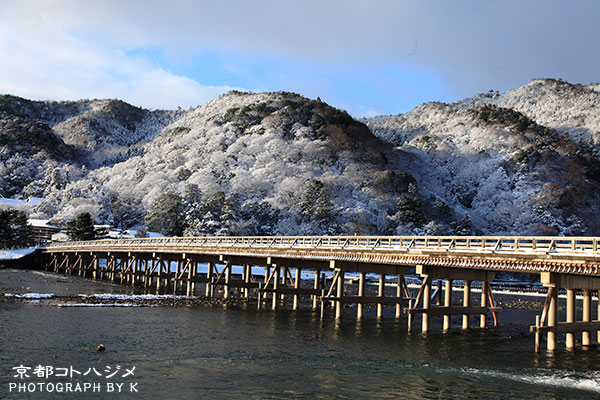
[[220, 352]]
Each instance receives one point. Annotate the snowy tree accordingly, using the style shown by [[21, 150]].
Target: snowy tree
[[409, 210], [464, 227], [315, 204], [166, 215]]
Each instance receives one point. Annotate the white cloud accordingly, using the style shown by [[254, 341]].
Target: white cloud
[[472, 45], [51, 64]]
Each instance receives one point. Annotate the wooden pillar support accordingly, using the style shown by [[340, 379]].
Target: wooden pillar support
[[176, 281], [208, 291], [548, 322], [380, 293], [275, 303], [361, 293], [586, 338], [598, 316], [95, 272], [570, 337], [159, 274], [227, 280], [297, 286], [339, 293], [399, 284], [189, 291], [447, 303], [466, 303], [194, 268], [552, 311], [247, 279], [484, 303], [426, 304], [447, 309], [267, 275], [316, 286]]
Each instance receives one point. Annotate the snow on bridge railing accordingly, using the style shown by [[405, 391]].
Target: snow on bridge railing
[[384, 243]]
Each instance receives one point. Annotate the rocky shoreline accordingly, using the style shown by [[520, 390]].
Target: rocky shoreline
[[109, 300], [152, 300]]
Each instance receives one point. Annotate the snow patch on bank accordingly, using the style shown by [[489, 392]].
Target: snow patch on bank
[[30, 296], [98, 305], [15, 254], [112, 296]]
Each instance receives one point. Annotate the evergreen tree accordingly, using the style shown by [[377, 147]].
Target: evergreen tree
[[409, 210], [192, 216], [463, 227], [209, 225], [15, 232], [316, 205], [166, 215], [218, 213], [23, 232], [82, 228], [5, 229], [262, 218]]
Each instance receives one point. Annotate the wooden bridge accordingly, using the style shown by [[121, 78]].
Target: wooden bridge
[[173, 264]]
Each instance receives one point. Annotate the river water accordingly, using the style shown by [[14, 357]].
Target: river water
[[218, 352]]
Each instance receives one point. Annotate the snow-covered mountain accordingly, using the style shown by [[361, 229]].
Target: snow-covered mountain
[[102, 132], [557, 104], [522, 162]]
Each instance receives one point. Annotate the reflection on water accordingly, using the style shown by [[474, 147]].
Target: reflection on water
[[215, 352]]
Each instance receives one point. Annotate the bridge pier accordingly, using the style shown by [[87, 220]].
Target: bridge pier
[[246, 275], [209, 289], [361, 292], [276, 269], [426, 304], [448, 310], [380, 294], [484, 290], [296, 286], [176, 281], [339, 292], [227, 269], [548, 323], [466, 303], [78, 265], [277, 285], [586, 338], [447, 303], [159, 275], [316, 286], [400, 285], [362, 299], [191, 285]]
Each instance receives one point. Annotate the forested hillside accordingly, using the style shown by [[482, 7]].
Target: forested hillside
[[523, 162]]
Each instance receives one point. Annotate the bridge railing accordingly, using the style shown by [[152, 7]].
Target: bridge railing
[[499, 244]]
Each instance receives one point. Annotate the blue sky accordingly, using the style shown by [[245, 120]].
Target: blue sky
[[368, 57]]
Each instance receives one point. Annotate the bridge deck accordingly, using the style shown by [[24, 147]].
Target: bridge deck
[[578, 255]]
